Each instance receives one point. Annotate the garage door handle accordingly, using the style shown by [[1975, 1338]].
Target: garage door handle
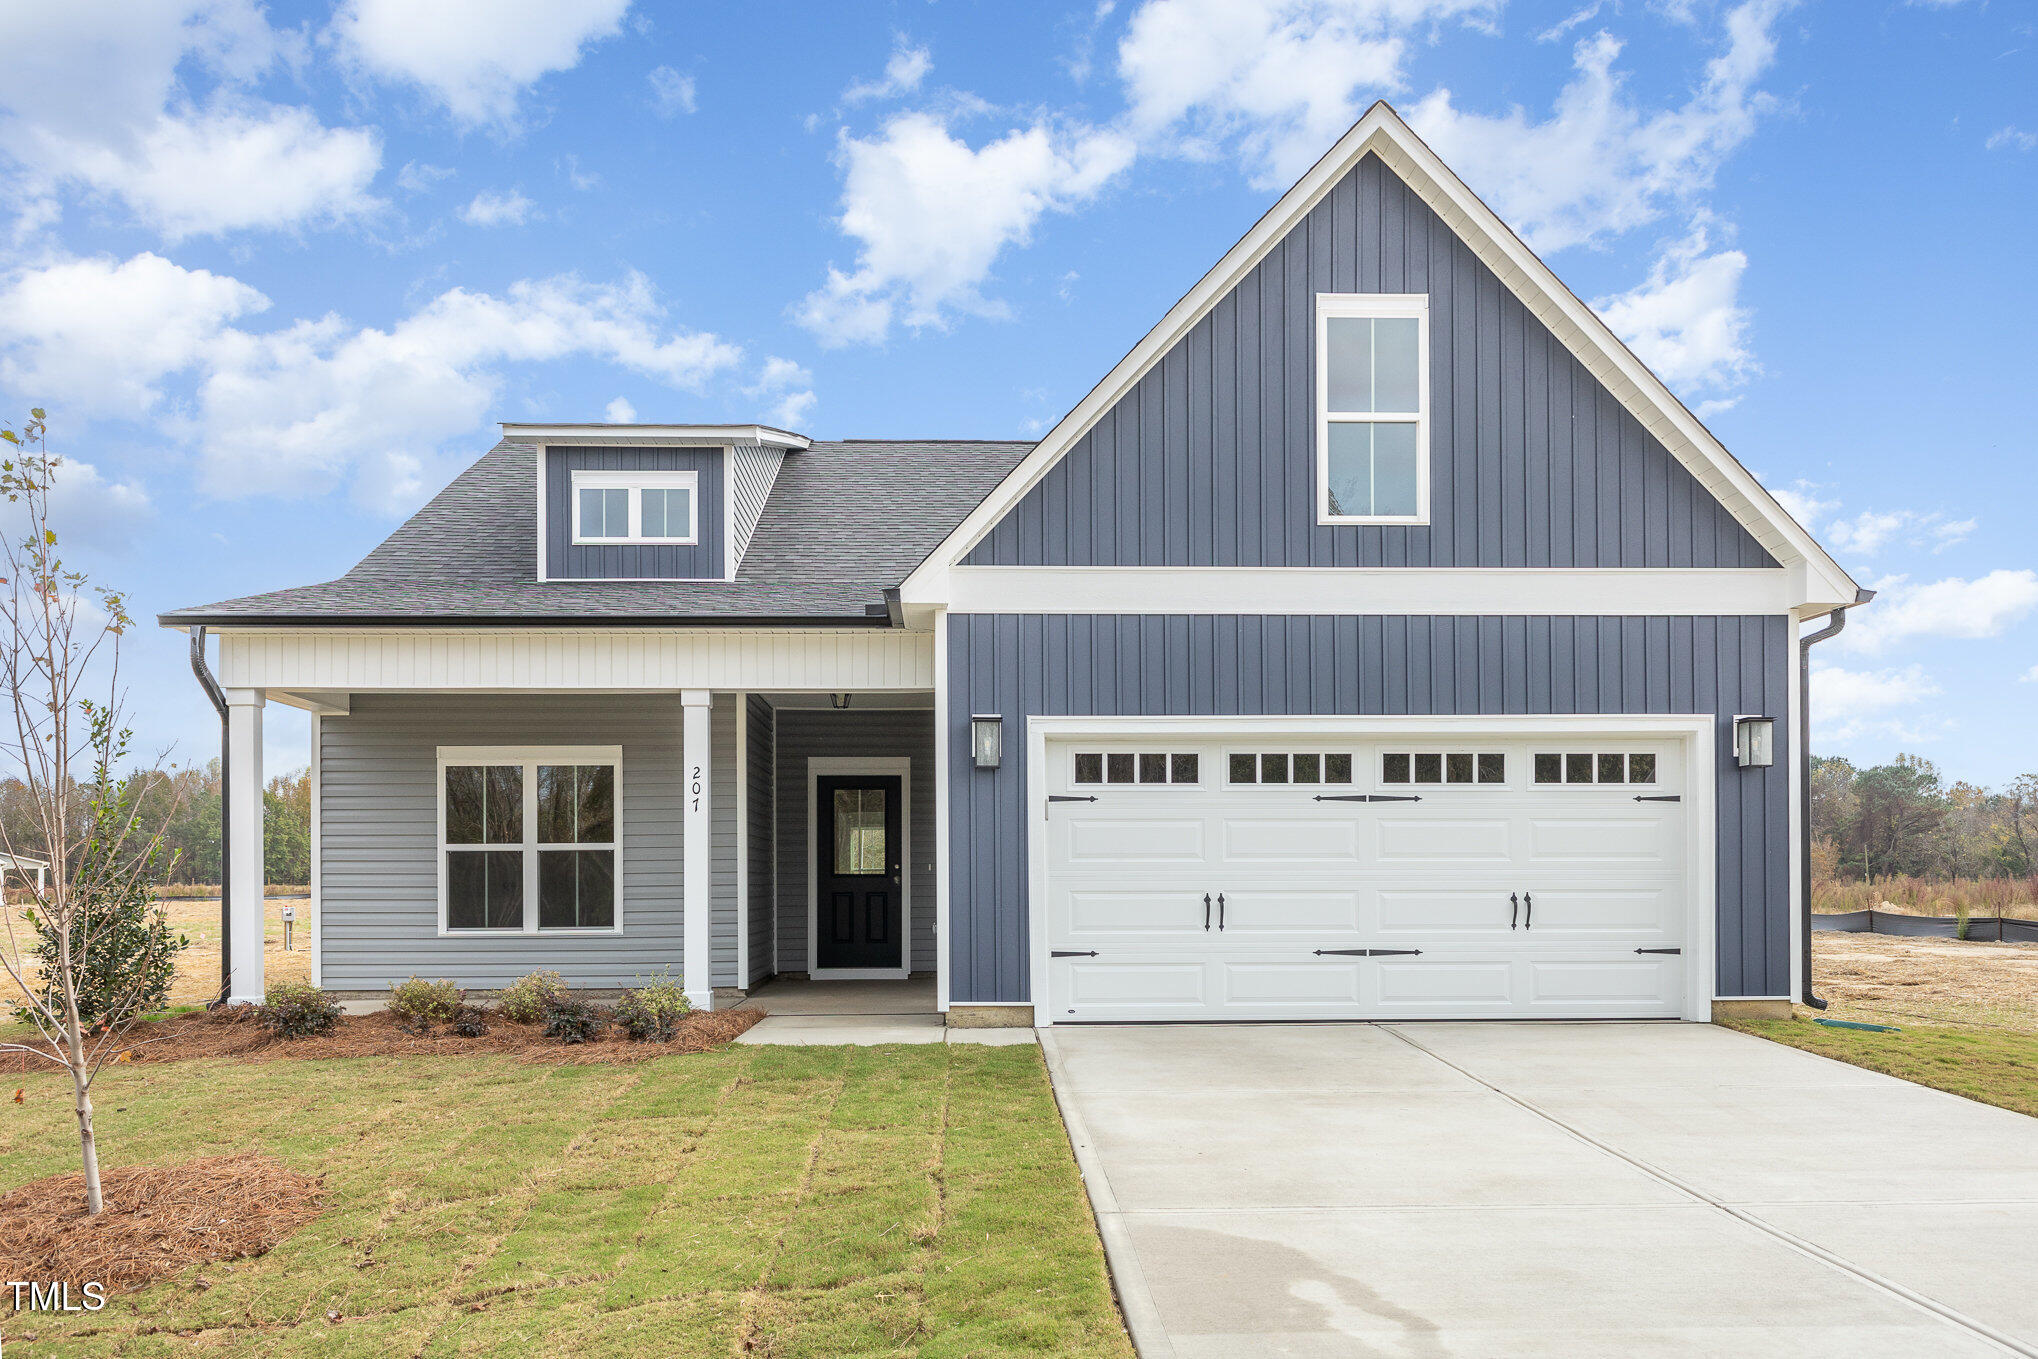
[[1513, 907], [1220, 910], [1659, 950], [1206, 910], [1528, 911], [1366, 797], [1365, 952]]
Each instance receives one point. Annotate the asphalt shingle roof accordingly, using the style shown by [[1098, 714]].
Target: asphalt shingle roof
[[846, 520]]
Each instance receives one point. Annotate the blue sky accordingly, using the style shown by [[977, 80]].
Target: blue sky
[[276, 272]]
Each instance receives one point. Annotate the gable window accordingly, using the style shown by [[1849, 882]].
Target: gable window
[[1372, 408], [636, 507], [528, 838]]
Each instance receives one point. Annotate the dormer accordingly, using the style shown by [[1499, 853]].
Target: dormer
[[650, 502]]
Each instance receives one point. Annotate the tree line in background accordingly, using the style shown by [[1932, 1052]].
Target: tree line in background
[[1901, 820], [186, 802]]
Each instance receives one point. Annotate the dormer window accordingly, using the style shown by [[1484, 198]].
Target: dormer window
[[636, 507], [1372, 408]]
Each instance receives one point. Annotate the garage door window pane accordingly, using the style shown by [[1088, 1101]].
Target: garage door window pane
[[1611, 768], [1577, 769], [1641, 769], [1394, 769], [1429, 768], [1493, 768], [1089, 769], [1457, 768], [1549, 768], [1337, 768], [1119, 768], [1183, 768], [1308, 769], [1273, 769], [1245, 769], [1153, 769]]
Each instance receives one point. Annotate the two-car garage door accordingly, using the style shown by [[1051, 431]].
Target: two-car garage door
[[1242, 877]]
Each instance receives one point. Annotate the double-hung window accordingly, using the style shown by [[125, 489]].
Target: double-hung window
[[1372, 408], [636, 507], [528, 838]]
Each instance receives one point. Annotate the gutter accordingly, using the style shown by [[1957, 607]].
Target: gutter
[[1835, 621], [396, 620], [218, 697]]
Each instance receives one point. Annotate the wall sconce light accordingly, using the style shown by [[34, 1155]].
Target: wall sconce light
[[838, 701], [1755, 741], [987, 740]]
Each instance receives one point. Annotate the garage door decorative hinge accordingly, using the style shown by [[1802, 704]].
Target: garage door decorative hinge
[[1659, 950], [1367, 797], [1658, 797], [1366, 952], [1053, 798], [1072, 953]]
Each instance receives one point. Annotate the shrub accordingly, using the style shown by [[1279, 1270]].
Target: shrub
[[651, 1013], [418, 1004], [572, 1020], [298, 1010], [469, 1022], [123, 954], [524, 1000]]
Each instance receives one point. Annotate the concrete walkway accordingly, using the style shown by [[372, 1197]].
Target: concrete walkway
[[861, 1013], [1559, 1191]]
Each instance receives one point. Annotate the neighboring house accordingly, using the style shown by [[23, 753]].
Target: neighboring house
[[25, 867], [1373, 641]]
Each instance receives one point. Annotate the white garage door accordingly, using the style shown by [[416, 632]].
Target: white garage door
[[1395, 878]]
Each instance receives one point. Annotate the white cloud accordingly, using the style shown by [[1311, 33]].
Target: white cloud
[[1872, 530], [672, 92], [1576, 19], [418, 176], [494, 208], [2012, 139], [1801, 499], [101, 336], [474, 57], [620, 412], [1686, 320], [110, 103], [89, 508], [1840, 692], [1968, 610], [931, 214], [1270, 82], [2029, 676], [790, 387], [1601, 164], [904, 71]]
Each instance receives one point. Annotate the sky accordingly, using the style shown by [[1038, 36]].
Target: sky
[[276, 272]]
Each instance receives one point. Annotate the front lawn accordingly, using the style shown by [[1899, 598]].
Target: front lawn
[[1995, 1066], [768, 1201]]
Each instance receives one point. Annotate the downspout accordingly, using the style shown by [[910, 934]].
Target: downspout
[[226, 936], [1835, 621]]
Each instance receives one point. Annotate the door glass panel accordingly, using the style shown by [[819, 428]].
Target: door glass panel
[[1393, 769], [1273, 769], [1308, 769], [859, 830], [1641, 769], [1493, 768], [1549, 768], [1153, 768], [1119, 767], [1337, 768], [1089, 768], [1457, 768], [1183, 768], [1610, 768], [1577, 769], [1245, 769], [1429, 768]]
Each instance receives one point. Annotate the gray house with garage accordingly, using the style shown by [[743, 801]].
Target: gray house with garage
[[1378, 639]]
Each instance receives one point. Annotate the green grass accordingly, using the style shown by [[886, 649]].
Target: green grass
[[765, 1201], [1995, 1066]]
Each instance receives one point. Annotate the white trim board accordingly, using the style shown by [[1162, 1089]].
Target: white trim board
[[902, 766], [1273, 590], [1701, 823], [652, 435], [1381, 131]]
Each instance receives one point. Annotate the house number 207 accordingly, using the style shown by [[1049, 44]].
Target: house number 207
[[696, 787]]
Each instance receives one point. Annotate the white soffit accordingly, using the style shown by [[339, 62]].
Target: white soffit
[[1576, 326]]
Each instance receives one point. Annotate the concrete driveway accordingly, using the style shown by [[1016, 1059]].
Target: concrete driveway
[[1550, 1190]]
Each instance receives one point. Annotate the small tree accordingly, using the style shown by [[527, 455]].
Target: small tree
[[101, 952]]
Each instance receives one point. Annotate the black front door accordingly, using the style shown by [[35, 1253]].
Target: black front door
[[859, 915]]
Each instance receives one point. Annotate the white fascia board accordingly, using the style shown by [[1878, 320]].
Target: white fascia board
[[1382, 131], [721, 435], [1279, 590]]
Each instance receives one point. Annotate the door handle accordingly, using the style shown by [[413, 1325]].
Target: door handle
[[1220, 910], [1206, 910], [1528, 911], [1513, 907]]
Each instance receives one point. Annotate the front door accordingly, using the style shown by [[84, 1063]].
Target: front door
[[859, 913]]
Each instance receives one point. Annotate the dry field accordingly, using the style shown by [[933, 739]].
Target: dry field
[[198, 966], [1886, 979]]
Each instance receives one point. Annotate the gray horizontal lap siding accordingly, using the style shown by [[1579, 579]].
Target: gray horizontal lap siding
[[1211, 459], [378, 859], [1226, 665], [566, 561], [763, 897], [804, 733]]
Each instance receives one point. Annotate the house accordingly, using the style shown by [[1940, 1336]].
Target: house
[[1380, 638]]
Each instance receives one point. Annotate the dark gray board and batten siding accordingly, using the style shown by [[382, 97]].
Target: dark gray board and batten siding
[[564, 560], [1232, 665], [1210, 459], [763, 827], [378, 838]]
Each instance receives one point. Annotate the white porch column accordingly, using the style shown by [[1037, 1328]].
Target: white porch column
[[243, 868], [697, 839]]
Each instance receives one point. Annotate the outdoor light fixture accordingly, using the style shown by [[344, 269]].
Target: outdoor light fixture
[[838, 701], [987, 739], [1755, 742]]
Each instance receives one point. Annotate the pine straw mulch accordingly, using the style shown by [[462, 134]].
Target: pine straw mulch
[[159, 1220], [235, 1033]]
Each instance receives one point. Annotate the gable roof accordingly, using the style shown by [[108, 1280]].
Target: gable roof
[[1382, 132], [846, 521]]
